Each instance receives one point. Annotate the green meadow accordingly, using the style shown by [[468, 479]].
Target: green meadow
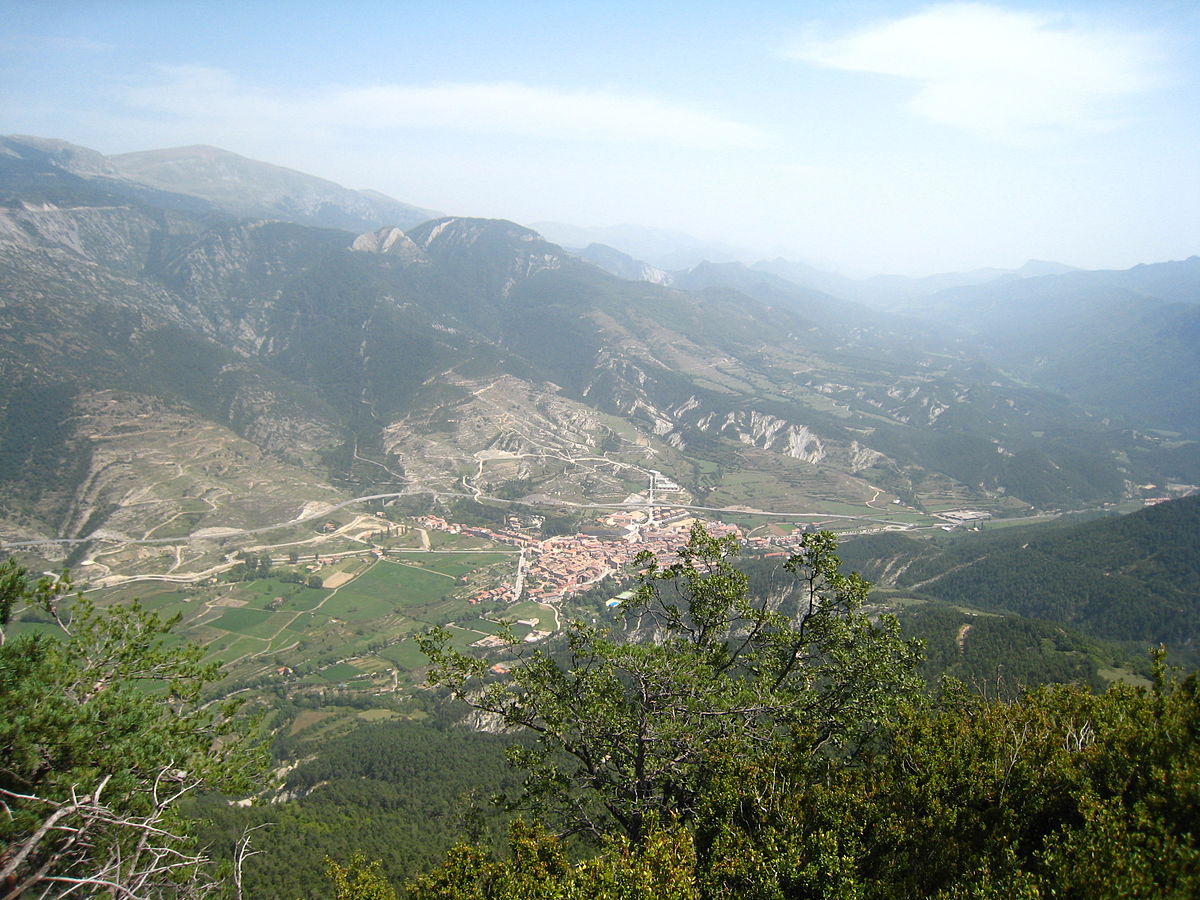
[[278, 629]]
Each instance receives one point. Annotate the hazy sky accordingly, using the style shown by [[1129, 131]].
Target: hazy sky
[[871, 136]]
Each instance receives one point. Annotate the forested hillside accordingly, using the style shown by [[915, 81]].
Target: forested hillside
[[1122, 342], [402, 792], [1133, 578]]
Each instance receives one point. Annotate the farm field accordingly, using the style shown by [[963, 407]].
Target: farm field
[[356, 633], [457, 565]]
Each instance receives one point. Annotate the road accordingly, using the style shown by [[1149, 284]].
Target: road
[[326, 512]]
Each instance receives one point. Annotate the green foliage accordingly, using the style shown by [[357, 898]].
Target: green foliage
[[1063, 793], [250, 568], [559, 525], [1001, 655], [358, 879], [471, 512], [625, 727], [539, 869], [513, 489], [1124, 578], [400, 792], [38, 454], [1060, 793], [102, 734], [35, 435], [16, 590]]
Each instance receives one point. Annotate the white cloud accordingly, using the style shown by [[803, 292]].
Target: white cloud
[[1016, 75], [494, 108]]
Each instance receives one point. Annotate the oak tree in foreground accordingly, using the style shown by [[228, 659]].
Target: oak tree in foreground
[[627, 719]]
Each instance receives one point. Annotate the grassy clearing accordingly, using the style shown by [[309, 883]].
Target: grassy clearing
[[530, 610], [351, 565], [388, 585], [994, 524], [305, 622], [441, 540], [151, 595], [462, 638], [901, 514], [405, 655], [238, 646], [262, 592], [307, 718], [457, 565], [245, 620], [1112, 674], [17, 628], [357, 608], [482, 625], [880, 597], [447, 609], [371, 665], [339, 672], [303, 600], [180, 526], [377, 715], [971, 611]]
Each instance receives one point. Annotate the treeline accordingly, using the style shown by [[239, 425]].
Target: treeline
[[467, 511], [37, 454], [251, 567]]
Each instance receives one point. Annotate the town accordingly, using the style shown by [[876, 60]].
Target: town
[[552, 569]]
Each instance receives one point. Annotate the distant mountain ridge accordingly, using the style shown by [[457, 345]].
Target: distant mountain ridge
[[248, 187], [463, 345], [896, 292], [230, 183], [615, 262], [1123, 342], [624, 249], [662, 248]]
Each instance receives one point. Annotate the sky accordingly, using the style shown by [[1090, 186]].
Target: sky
[[861, 136]]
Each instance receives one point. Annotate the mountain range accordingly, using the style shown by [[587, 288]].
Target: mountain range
[[346, 342]]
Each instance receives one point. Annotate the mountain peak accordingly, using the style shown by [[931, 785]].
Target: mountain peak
[[459, 232], [390, 241], [1034, 268], [501, 253], [249, 187], [63, 154], [185, 152], [621, 264]]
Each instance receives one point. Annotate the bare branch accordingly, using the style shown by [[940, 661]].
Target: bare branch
[[243, 853]]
